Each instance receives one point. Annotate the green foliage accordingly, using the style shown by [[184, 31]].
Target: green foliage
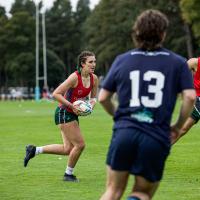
[[22, 64], [190, 12], [82, 11], [55, 69], [19, 44], [176, 34], [80, 16], [106, 31], [2, 12], [3, 21], [110, 24], [23, 6], [59, 29]]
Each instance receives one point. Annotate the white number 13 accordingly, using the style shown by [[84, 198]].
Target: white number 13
[[155, 89]]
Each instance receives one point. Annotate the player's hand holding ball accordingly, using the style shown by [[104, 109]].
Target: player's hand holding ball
[[82, 108]]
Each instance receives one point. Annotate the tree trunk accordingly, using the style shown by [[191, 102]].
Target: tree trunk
[[189, 44]]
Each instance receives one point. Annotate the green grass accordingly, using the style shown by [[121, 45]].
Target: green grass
[[28, 122]]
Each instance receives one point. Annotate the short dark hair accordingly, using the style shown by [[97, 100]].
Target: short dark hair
[[82, 58], [149, 29]]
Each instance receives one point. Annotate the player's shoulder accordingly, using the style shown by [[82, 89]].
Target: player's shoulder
[[193, 61], [175, 57], [94, 76], [72, 77], [171, 59]]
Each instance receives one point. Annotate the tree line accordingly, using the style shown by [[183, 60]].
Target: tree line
[[105, 30]]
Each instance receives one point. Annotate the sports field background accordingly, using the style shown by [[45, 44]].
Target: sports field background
[[29, 122]]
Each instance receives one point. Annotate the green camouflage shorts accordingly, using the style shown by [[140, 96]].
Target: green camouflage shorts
[[196, 111], [62, 116]]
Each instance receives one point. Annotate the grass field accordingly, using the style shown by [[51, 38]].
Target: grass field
[[28, 122]]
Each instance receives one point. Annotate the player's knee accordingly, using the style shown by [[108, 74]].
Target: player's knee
[[115, 192], [67, 150], [119, 193], [81, 146]]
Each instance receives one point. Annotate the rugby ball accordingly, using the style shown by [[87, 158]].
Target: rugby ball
[[84, 107]]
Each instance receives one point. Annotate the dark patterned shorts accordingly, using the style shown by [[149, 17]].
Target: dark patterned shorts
[[196, 111], [62, 116]]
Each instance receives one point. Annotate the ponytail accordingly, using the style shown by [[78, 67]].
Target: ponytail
[[78, 68]]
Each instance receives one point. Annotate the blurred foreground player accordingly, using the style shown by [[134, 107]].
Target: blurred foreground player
[[147, 80]]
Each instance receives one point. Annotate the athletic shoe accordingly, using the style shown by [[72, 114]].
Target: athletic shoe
[[70, 178], [30, 153]]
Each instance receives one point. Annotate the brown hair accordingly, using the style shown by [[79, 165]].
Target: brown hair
[[149, 29], [82, 58]]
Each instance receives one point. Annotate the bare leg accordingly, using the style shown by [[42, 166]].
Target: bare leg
[[144, 189], [72, 132], [59, 149], [116, 184]]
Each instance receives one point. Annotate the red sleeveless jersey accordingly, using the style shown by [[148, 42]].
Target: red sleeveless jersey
[[197, 79], [79, 92]]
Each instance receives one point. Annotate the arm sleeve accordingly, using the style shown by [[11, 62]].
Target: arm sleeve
[[186, 80]]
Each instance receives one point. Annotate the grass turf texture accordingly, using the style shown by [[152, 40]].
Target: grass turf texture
[[23, 123]]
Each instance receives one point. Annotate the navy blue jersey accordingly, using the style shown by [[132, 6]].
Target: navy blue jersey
[[147, 84]]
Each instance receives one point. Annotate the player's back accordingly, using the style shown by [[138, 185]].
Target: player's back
[[147, 84]]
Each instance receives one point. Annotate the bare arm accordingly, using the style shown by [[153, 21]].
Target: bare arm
[[192, 63], [177, 133], [59, 92], [186, 108], [105, 100], [94, 91]]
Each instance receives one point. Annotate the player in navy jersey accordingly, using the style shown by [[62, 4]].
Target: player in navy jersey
[[147, 80]]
